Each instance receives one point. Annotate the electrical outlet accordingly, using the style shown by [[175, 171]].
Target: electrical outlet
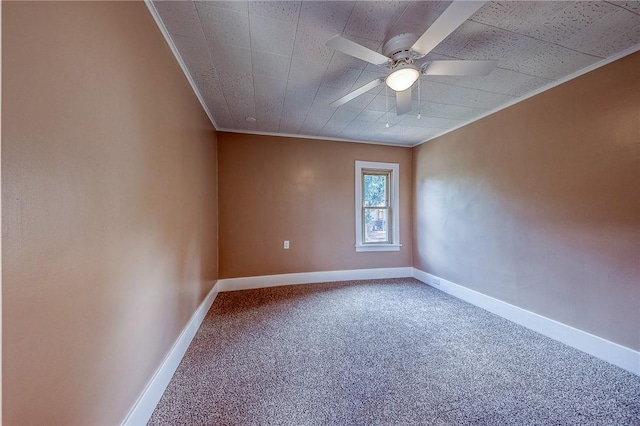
[[286, 244], [436, 281]]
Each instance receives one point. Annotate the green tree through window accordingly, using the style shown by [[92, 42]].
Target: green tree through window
[[375, 190]]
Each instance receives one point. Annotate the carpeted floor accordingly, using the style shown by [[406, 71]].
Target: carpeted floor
[[384, 352]]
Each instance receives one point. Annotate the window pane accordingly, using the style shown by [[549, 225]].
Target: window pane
[[375, 190], [376, 225]]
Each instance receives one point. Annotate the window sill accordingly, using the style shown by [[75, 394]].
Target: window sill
[[378, 247]]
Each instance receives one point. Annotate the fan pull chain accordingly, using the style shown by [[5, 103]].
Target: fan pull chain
[[419, 105], [386, 99]]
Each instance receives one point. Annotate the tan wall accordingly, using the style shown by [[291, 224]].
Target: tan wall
[[109, 208], [539, 204], [302, 190]]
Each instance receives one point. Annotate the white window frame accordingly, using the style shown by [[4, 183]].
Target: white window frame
[[394, 202]]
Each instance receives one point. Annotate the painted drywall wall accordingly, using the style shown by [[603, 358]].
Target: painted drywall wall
[[273, 189], [539, 205], [109, 208]]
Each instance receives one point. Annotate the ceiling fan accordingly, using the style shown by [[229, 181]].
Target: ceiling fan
[[403, 58]]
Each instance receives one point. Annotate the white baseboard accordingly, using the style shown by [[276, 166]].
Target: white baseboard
[[246, 283], [146, 403], [611, 352], [141, 411]]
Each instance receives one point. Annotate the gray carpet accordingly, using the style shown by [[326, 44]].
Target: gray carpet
[[384, 352]]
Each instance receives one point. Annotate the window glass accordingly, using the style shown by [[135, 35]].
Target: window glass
[[375, 193], [377, 206], [375, 190], [376, 225]]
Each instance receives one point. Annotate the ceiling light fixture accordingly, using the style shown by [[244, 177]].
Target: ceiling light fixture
[[250, 119], [402, 77]]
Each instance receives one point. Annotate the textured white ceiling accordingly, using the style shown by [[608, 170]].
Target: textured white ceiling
[[268, 60]]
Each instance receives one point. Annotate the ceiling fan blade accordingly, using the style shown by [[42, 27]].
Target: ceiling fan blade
[[403, 101], [472, 68], [346, 98], [451, 18], [357, 50]]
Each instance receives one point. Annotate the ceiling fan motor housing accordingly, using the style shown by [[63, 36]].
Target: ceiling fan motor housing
[[398, 48]]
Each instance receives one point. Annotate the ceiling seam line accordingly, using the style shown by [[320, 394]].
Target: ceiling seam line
[[332, 56], [537, 39], [471, 88], [444, 103], [204, 35], [253, 79], [523, 73], [293, 48], [622, 7]]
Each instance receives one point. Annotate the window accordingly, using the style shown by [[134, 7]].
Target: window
[[377, 201]]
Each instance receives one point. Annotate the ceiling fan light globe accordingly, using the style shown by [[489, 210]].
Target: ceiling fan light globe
[[402, 78]]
